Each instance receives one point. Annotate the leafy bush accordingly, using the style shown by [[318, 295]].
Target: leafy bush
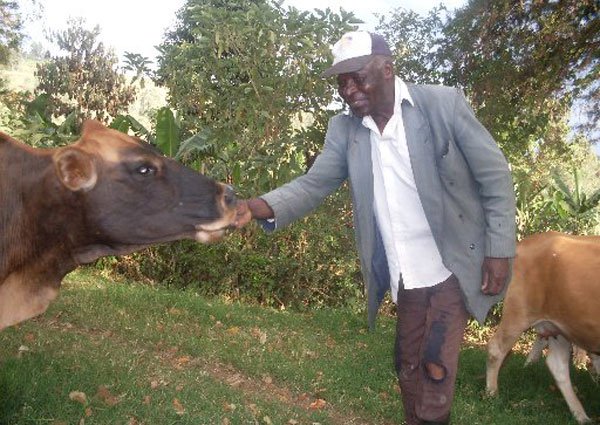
[[312, 263], [558, 193], [84, 79], [249, 71]]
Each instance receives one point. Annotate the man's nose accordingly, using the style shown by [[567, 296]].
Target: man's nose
[[348, 88]]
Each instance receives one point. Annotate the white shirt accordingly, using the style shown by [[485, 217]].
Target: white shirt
[[409, 245]]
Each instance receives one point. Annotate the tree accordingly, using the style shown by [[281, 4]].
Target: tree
[[10, 29], [249, 71], [36, 51], [84, 80], [524, 64], [10, 41], [587, 107], [414, 40], [140, 65]]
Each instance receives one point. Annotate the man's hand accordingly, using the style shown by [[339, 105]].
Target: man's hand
[[495, 275], [244, 215], [252, 208]]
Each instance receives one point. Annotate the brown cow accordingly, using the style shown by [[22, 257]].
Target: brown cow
[[555, 289], [106, 194]]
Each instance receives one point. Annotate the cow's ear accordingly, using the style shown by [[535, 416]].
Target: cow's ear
[[76, 169]]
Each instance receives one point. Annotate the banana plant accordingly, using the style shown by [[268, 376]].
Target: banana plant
[[40, 130], [194, 151], [167, 132], [573, 201], [125, 123], [577, 210]]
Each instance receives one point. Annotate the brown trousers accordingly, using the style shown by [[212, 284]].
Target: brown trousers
[[429, 332]]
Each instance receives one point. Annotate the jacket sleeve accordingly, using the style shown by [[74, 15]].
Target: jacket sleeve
[[303, 194], [491, 171]]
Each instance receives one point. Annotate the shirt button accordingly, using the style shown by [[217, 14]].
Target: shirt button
[[472, 246]]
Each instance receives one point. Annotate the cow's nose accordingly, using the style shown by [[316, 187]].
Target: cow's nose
[[229, 196]]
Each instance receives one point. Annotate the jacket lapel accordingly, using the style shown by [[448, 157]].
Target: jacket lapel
[[371, 247], [422, 159], [361, 168]]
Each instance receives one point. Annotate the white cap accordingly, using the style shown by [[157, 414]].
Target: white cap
[[354, 50]]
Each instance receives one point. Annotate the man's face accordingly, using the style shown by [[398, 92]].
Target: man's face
[[363, 90]]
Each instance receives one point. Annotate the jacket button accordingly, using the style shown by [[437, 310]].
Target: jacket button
[[472, 246]]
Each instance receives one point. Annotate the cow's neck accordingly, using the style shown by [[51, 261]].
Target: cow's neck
[[33, 215], [32, 263], [26, 293]]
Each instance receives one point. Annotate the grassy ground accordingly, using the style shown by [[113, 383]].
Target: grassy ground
[[122, 353]]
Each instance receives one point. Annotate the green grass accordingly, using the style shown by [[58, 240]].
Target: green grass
[[157, 356]]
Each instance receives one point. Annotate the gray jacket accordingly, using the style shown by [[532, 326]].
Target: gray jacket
[[461, 175]]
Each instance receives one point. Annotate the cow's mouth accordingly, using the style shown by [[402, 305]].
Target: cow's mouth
[[207, 236], [212, 232]]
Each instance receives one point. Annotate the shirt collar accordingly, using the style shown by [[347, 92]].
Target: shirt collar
[[401, 94]]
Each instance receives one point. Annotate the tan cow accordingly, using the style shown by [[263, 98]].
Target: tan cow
[[106, 194], [555, 289]]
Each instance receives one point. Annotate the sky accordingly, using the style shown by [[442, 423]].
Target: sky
[[138, 25]]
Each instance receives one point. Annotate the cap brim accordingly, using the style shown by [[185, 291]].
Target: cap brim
[[347, 66]]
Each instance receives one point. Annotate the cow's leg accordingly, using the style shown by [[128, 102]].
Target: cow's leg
[[512, 325], [544, 331], [595, 358], [19, 301], [510, 329], [559, 352], [536, 350]]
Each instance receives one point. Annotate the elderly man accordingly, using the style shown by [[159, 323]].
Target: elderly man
[[434, 212]]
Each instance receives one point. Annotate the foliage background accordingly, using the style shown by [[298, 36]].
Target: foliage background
[[244, 103]]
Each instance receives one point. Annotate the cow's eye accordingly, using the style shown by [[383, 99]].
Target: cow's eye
[[146, 170]]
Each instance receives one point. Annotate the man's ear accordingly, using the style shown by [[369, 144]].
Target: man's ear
[[388, 69], [75, 169]]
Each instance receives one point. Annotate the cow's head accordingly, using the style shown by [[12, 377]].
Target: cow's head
[[133, 196]]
